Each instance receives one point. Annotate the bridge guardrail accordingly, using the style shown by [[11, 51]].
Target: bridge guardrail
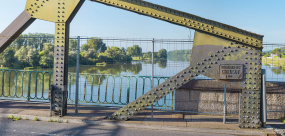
[[94, 88]]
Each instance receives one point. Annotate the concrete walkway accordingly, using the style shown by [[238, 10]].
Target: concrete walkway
[[97, 114]]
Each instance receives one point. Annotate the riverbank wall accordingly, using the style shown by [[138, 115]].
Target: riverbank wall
[[207, 97]]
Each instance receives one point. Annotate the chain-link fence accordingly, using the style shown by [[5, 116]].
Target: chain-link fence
[[116, 71], [273, 60]]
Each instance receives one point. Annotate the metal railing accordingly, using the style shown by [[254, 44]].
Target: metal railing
[[94, 88]]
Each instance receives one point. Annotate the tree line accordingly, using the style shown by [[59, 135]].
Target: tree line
[[37, 50], [179, 55], [278, 52]]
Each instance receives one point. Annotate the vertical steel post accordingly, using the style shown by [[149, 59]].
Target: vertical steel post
[[77, 75], [152, 73], [225, 103], [263, 99], [29, 86]]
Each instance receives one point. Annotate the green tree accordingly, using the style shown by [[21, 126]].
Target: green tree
[[72, 44], [147, 55], [35, 40], [7, 57], [72, 57], [136, 50], [114, 54], [46, 62], [46, 55], [18, 42], [21, 54], [162, 53], [179, 55], [33, 57], [90, 53], [95, 43], [276, 51]]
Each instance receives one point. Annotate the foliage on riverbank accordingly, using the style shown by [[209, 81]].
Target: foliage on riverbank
[[179, 55], [35, 50], [274, 61]]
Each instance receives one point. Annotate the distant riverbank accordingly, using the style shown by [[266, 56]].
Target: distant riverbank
[[277, 62]]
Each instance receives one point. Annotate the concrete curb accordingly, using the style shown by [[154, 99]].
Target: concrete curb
[[140, 126]]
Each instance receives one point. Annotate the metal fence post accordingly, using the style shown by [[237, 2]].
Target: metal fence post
[[225, 103], [77, 75], [263, 99], [29, 86], [152, 73]]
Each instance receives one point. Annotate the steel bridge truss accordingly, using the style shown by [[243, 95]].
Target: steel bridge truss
[[218, 51]]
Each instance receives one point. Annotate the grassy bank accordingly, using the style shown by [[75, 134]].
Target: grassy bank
[[274, 61]]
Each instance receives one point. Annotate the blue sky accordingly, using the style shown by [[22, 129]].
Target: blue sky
[[264, 17]]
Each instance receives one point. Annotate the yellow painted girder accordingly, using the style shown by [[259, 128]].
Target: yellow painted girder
[[187, 20], [51, 10]]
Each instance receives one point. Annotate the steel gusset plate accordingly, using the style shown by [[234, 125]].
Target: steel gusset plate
[[205, 60], [250, 109], [58, 102]]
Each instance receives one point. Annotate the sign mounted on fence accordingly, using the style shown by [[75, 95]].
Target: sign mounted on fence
[[231, 71]]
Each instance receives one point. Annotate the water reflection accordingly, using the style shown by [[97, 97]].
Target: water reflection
[[105, 84], [278, 70], [161, 63]]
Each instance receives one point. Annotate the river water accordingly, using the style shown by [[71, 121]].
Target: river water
[[112, 84]]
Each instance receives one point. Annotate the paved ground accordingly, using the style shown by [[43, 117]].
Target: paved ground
[[32, 128], [278, 127], [162, 121]]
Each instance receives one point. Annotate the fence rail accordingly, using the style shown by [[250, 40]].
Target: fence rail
[[94, 88]]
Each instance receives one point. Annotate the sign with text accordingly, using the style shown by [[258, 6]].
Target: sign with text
[[231, 71]]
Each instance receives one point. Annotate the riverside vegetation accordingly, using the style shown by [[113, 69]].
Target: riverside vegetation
[[36, 50]]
